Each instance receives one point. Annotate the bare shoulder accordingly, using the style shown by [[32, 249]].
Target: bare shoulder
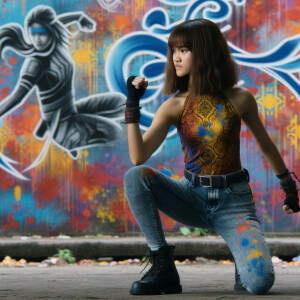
[[172, 107], [241, 99]]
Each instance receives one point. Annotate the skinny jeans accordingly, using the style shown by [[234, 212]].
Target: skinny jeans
[[228, 211]]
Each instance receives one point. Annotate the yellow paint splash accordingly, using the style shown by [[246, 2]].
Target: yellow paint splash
[[18, 192], [254, 254], [104, 212], [90, 192], [86, 57], [293, 132], [270, 101], [23, 6]]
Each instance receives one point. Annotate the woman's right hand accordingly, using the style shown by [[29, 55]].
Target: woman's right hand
[[136, 87]]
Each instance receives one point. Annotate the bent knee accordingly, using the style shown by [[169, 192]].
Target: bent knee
[[261, 284], [138, 173]]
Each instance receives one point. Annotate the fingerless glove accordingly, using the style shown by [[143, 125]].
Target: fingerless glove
[[132, 110], [291, 192]]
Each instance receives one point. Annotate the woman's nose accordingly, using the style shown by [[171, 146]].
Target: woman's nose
[[176, 57]]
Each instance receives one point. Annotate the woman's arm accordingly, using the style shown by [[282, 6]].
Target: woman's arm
[[142, 147], [254, 124], [268, 148]]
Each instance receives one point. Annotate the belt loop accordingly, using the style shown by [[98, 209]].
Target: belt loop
[[247, 173], [193, 179], [225, 181]]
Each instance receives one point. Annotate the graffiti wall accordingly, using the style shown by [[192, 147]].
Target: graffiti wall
[[63, 71]]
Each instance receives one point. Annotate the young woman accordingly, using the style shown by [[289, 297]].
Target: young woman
[[49, 68], [214, 192]]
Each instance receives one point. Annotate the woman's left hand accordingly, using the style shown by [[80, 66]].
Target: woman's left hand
[[87, 24], [291, 202]]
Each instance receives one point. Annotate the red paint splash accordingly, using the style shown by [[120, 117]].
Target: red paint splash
[[12, 60], [232, 33], [47, 189], [247, 135], [98, 174], [7, 180], [24, 123], [276, 198], [253, 90], [30, 220], [86, 213], [4, 92], [243, 227], [78, 223], [122, 211], [10, 222]]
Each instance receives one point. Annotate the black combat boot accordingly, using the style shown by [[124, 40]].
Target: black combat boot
[[238, 285], [162, 276]]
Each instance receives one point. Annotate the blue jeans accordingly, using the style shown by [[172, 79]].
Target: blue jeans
[[228, 211]]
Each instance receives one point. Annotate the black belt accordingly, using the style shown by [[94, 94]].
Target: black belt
[[220, 181]]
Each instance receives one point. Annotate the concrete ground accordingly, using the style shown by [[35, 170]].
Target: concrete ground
[[199, 281]]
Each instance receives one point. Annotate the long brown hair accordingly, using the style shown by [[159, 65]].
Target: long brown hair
[[213, 69]]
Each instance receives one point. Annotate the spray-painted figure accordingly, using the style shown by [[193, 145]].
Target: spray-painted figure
[[48, 66]]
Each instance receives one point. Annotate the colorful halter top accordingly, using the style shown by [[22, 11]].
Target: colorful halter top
[[209, 131]]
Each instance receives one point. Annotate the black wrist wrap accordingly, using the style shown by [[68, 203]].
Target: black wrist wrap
[[291, 199]]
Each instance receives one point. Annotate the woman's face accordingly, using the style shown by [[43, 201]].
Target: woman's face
[[40, 36], [182, 59]]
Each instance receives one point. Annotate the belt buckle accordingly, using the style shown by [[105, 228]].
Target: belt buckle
[[206, 177]]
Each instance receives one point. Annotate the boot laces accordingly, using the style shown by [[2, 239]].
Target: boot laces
[[150, 260]]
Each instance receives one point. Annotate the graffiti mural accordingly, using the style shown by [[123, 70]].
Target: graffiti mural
[[63, 71], [68, 123]]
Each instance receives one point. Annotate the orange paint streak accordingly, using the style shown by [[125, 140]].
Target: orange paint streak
[[242, 228], [86, 213], [167, 223], [232, 33], [25, 123], [124, 24]]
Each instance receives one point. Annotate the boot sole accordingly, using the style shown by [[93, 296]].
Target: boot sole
[[168, 290], [239, 288]]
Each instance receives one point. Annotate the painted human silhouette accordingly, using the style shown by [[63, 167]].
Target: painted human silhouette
[[48, 68]]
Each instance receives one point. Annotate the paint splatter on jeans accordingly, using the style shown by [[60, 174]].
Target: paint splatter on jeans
[[228, 211]]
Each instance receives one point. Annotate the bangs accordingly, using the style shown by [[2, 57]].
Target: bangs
[[179, 38]]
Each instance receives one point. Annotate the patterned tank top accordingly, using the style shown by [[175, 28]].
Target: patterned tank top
[[209, 131]]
